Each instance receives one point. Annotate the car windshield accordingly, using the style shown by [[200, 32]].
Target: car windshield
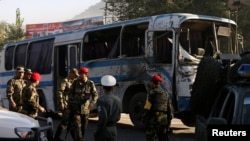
[[246, 110]]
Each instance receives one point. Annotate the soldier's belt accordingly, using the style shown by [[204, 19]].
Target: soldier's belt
[[159, 111]]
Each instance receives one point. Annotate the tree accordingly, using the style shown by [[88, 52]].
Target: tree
[[130, 9], [15, 31], [3, 26], [244, 25], [11, 32]]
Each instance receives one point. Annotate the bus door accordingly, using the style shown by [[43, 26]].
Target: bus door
[[72, 58], [66, 58]]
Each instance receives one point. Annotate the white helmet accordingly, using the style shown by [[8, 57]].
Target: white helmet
[[108, 80]]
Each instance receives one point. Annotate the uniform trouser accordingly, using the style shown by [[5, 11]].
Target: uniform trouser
[[157, 131], [63, 125], [80, 124], [107, 134], [16, 109]]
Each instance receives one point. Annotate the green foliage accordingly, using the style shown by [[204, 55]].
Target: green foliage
[[130, 9], [11, 32], [3, 25], [14, 33], [244, 25]]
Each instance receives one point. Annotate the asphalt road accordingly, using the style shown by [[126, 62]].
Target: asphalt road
[[127, 132]]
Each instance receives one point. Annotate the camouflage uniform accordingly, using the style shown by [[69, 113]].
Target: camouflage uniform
[[63, 97], [27, 75], [83, 93], [27, 82], [63, 93], [14, 92], [31, 104], [157, 119]]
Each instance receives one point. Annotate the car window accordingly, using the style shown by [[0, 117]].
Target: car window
[[224, 105], [219, 103], [228, 109], [246, 110]]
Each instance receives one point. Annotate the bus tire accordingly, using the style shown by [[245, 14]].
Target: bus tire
[[136, 108], [187, 118]]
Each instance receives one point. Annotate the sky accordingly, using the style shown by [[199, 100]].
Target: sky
[[43, 11]]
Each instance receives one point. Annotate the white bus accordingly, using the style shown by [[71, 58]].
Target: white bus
[[169, 44]]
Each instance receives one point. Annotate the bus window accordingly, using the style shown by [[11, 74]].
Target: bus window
[[9, 57], [40, 56], [20, 54], [133, 42], [100, 50], [114, 46], [101, 44], [191, 41], [163, 47], [88, 52]]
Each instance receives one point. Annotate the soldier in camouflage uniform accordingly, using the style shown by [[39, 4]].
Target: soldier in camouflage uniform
[[63, 97], [31, 105], [27, 75], [84, 97], [14, 90], [158, 116]]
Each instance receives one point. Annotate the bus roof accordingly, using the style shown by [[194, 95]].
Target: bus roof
[[179, 18]]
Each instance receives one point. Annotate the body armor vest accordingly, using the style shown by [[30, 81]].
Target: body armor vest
[[159, 101]]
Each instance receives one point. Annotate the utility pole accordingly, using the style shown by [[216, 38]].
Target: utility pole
[[109, 10]]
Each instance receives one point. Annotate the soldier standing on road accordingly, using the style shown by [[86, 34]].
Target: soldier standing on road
[[84, 97], [63, 97], [27, 76], [109, 110], [158, 113], [14, 90], [31, 105]]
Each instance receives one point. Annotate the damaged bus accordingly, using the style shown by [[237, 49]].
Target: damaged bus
[[171, 45]]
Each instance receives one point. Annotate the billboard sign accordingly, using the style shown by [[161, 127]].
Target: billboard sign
[[43, 29]]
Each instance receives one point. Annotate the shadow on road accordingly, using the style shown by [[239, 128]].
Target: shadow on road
[[127, 132]]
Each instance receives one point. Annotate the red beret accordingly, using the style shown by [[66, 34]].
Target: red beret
[[84, 70], [36, 76], [156, 78]]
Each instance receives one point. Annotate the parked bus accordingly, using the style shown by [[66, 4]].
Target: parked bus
[[169, 44]]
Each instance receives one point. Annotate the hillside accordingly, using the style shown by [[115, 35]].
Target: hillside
[[92, 11]]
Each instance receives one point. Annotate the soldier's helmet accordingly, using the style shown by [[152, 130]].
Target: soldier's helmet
[[20, 69], [75, 71], [108, 80], [28, 71]]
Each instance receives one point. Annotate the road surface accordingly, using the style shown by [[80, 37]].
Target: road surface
[[127, 132]]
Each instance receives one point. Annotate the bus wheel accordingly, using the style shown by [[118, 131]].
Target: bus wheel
[[136, 108], [186, 117]]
